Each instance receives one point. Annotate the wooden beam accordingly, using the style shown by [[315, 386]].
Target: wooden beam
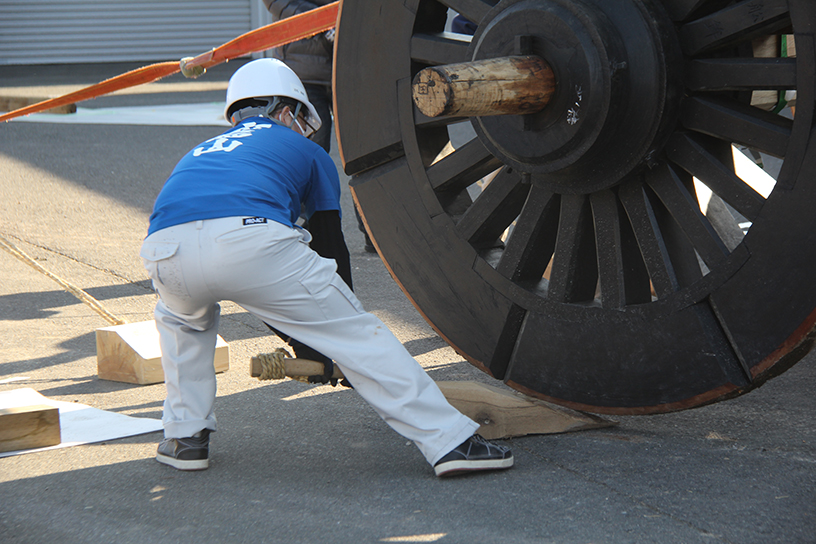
[[27, 427], [501, 86]]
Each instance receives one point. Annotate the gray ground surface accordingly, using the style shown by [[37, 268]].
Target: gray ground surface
[[293, 463]]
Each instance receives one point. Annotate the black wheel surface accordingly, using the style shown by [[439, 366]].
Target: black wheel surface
[[645, 242]]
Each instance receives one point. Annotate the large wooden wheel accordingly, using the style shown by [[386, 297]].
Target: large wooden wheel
[[620, 260]]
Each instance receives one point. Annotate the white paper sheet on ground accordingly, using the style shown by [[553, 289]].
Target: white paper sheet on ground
[[208, 114], [79, 424]]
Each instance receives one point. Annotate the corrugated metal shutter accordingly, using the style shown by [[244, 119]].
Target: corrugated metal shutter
[[46, 32]]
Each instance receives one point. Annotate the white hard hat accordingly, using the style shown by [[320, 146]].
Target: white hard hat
[[268, 78]]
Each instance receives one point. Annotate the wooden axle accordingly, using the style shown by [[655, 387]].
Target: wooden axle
[[500, 86]]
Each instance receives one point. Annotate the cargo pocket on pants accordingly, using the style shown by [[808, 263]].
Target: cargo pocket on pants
[[163, 267], [325, 285]]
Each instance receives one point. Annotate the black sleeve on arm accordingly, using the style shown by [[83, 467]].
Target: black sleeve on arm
[[328, 241]]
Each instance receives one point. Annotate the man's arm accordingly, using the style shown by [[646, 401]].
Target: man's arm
[[328, 241]]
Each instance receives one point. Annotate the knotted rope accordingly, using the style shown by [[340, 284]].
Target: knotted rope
[[273, 367]]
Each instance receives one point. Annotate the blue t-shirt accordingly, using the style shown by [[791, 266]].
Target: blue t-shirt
[[256, 169]]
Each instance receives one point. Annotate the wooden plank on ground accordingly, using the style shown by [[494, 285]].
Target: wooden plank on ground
[[505, 414], [27, 427]]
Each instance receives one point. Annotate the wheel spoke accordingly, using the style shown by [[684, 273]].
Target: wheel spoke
[[742, 21], [722, 217], [574, 274], [462, 168], [623, 277], [680, 10], [733, 122], [738, 74], [494, 209], [647, 233], [687, 152], [610, 258], [685, 210], [531, 243], [637, 285], [442, 48], [472, 10]]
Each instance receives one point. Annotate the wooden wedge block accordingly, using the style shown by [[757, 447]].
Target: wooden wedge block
[[505, 414], [27, 427], [11, 103], [131, 353]]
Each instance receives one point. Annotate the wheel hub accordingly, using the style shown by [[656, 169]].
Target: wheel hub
[[618, 86]]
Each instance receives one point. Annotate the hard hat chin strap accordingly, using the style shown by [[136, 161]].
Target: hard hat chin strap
[[265, 111], [295, 114], [246, 113]]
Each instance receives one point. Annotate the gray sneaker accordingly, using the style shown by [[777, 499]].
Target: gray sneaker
[[474, 454], [186, 453]]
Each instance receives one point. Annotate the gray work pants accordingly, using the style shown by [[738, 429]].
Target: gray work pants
[[269, 270]]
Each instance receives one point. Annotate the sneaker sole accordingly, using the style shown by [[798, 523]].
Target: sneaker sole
[[181, 464], [459, 467]]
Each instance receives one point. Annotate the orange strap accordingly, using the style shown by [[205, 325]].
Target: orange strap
[[278, 33]]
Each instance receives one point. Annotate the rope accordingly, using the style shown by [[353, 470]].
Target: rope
[[74, 290], [273, 366], [276, 34]]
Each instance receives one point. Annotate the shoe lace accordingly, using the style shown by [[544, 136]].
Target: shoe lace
[[485, 442]]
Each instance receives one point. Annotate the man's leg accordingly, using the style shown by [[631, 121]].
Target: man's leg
[[188, 350], [187, 320], [297, 292], [383, 373]]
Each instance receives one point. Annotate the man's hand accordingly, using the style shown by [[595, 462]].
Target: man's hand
[[302, 351]]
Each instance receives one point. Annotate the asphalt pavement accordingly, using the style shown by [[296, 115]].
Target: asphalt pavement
[[294, 463]]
